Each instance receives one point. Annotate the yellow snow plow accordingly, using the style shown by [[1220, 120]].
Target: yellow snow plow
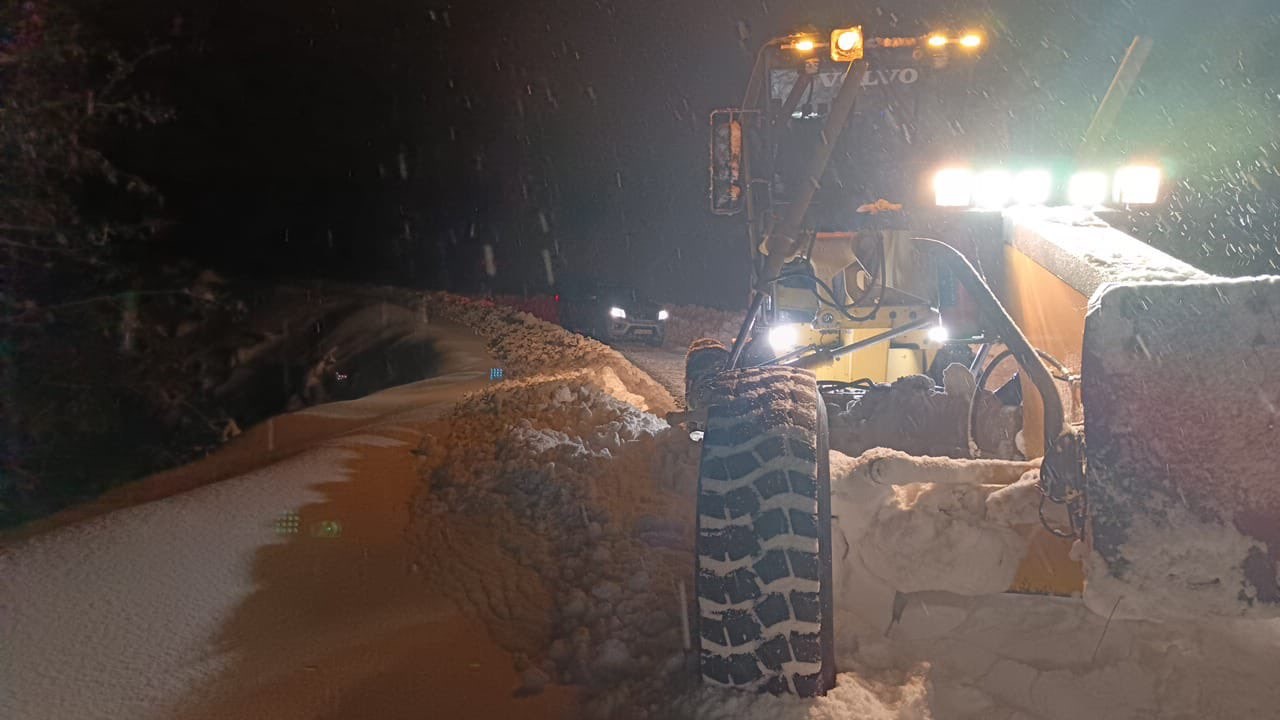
[[987, 315]]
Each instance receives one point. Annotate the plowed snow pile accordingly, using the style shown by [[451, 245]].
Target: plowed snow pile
[[529, 346], [556, 509], [690, 322], [561, 515]]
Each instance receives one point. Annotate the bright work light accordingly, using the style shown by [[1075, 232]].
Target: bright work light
[[617, 312], [1087, 189], [938, 334], [937, 41], [952, 187], [971, 40], [1137, 185], [992, 189], [804, 45], [846, 44], [663, 314], [1032, 187], [783, 338]]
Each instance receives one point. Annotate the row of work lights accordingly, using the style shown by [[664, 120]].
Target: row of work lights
[[996, 189]]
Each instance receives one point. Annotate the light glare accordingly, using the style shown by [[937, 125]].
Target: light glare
[[993, 189], [846, 44], [1032, 187], [1087, 189], [939, 334], [951, 187], [971, 40], [663, 314], [804, 45], [1137, 185], [783, 338], [937, 41], [617, 312]]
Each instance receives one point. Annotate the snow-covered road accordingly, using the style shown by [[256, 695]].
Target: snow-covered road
[[208, 604]]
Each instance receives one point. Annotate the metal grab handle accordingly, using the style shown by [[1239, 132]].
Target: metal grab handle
[[1062, 471], [1021, 349]]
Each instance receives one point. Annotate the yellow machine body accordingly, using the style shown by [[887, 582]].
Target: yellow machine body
[[1049, 310], [907, 354]]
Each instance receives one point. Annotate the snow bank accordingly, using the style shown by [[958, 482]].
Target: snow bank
[[924, 549], [691, 322], [558, 512], [549, 516], [920, 524], [528, 346], [854, 697]]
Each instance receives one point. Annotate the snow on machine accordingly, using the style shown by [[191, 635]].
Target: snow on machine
[[986, 316]]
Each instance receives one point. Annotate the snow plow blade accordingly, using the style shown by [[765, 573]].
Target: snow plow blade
[[1181, 394]]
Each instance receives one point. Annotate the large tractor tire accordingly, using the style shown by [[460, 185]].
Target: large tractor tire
[[764, 535], [705, 359]]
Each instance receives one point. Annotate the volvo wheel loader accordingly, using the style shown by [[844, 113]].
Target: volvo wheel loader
[[962, 312]]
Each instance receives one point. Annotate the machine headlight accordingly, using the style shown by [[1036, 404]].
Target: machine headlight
[[846, 44], [937, 41], [938, 334], [804, 45], [992, 189], [1032, 187], [783, 338], [971, 40], [952, 187], [663, 314], [617, 312], [1087, 189], [1137, 185]]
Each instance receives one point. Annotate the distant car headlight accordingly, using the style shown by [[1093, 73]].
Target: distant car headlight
[[952, 187], [1087, 189], [663, 314], [1137, 185], [617, 312], [783, 338]]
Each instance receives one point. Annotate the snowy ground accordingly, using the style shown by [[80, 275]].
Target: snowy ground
[[538, 532], [663, 364], [190, 603]]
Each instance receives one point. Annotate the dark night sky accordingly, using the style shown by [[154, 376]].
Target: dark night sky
[[390, 141]]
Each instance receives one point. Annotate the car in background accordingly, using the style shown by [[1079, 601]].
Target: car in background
[[612, 313]]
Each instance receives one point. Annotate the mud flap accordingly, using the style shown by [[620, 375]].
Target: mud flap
[[1181, 392]]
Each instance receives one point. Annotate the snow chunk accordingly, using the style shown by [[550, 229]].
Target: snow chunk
[[923, 523], [1182, 567], [854, 696]]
